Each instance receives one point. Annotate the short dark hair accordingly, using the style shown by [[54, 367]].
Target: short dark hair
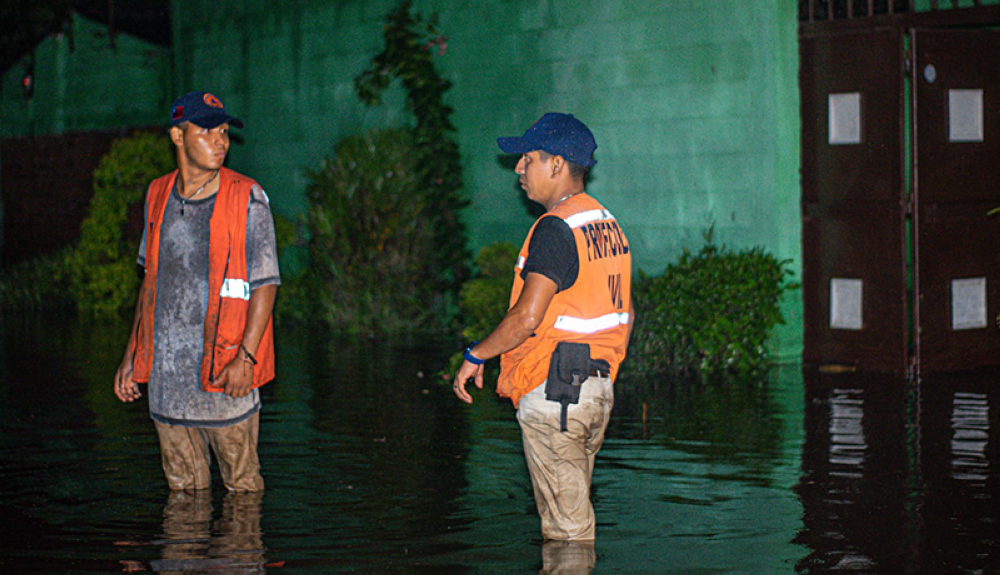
[[576, 171]]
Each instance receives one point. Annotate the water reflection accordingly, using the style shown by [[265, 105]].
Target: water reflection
[[847, 432], [372, 466], [959, 503], [970, 422], [194, 541], [854, 473], [898, 476], [567, 558]]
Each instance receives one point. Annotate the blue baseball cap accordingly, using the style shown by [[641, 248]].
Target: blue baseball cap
[[201, 109], [558, 134]]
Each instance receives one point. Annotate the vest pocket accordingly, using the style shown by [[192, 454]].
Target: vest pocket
[[229, 335]]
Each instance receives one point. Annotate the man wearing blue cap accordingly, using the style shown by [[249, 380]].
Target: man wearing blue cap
[[202, 337], [568, 326]]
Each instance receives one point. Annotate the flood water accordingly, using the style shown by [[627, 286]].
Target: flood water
[[372, 466]]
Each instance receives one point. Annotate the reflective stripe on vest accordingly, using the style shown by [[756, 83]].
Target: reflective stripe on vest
[[594, 325], [235, 288], [583, 218]]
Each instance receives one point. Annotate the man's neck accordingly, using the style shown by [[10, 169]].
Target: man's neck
[[192, 178], [563, 194]]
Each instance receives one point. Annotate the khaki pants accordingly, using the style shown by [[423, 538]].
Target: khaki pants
[[186, 456], [561, 464]]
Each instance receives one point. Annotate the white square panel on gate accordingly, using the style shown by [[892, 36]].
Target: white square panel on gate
[[845, 118], [968, 304], [965, 115], [845, 303]]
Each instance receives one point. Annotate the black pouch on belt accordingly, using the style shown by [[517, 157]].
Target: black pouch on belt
[[568, 369]]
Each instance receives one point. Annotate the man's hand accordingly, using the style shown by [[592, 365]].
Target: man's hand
[[126, 389], [517, 326], [463, 374], [236, 379]]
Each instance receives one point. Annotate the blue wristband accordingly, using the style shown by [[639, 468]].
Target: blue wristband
[[471, 358]]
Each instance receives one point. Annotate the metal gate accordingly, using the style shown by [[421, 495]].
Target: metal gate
[[854, 284], [900, 166], [957, 182]]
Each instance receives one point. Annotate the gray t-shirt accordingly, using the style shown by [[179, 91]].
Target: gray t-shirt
[[175, 394]]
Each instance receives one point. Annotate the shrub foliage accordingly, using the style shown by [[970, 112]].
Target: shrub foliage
[[709, 315], [371, 243], [37, 284], [485, 298], [104, 274], [411, 44], [98, 274]]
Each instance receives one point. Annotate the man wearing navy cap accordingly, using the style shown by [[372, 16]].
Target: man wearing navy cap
[[202, 337], [568, 326]]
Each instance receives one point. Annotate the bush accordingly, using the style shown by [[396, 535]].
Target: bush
[[484, 300], [99, 274], [411, 45], [37, 284], [708, 315], [104, 274], [372, 244], [285, 233]]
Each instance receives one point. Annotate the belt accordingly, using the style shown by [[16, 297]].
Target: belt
[[599, 373]]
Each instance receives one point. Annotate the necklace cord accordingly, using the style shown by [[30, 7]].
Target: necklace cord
[[198, 191], [566, 197]]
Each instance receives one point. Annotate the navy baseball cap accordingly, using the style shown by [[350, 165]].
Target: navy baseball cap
[[558, 134], [202, 109]]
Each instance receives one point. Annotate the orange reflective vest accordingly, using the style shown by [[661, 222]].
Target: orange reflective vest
[[228, 282], [594, 310]]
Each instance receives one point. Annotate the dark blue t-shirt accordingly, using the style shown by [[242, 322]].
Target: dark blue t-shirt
[[552, 253]]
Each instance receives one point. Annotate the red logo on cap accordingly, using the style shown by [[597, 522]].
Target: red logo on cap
[[212, 101], [178, 112]]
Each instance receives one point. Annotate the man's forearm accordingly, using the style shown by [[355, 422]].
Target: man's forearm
[[522, 320], [136, 317], [512, 331], [261, 305]]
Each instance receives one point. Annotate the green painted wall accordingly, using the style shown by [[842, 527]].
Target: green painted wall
[[82, 83], [694, 105]]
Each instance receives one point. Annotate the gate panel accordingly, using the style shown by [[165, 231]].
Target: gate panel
[[957, 181], [854, 284]]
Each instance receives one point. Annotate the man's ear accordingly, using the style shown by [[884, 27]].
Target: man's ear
[[558, 163], [177, 135]]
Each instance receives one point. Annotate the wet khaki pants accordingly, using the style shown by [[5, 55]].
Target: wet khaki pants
[[186, 456], [561, 464]]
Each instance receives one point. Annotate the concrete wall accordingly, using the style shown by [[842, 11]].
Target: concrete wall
[[83, 84], [694, 105]]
